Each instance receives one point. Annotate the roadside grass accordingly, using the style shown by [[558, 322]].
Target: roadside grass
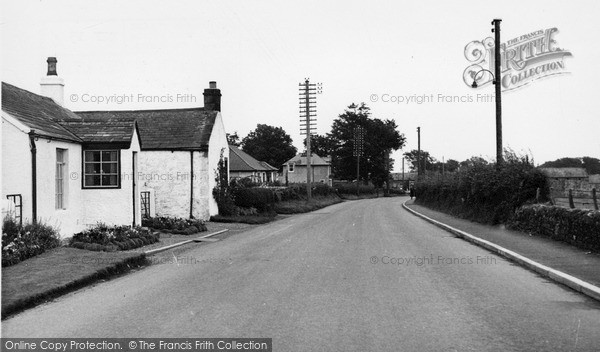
[[59, 271], [245, 219]]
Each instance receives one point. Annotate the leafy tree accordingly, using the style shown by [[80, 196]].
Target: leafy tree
[[270, 144], [380, 137], [233, 139], [427, 161], [564, 162], [591, 165], [321, 145], [473, 161], [452, 165]]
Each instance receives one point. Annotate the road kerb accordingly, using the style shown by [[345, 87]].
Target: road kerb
[[171, 246], [558, 276]]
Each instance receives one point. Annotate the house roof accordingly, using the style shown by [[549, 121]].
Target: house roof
[[564, 172], [300, 159], [37, 112], [242, 161], [169, 129]]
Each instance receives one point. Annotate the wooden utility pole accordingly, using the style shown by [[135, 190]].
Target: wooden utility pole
[[308, 125], [359, 136], [419, 152], [498, 86]]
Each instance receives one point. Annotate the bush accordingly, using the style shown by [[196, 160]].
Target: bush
[[575, 226], [483, 192], [110, 238], [259, 198], [175, 225], [22, 242]]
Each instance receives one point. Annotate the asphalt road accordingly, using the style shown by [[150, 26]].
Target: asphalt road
[[338, 279]]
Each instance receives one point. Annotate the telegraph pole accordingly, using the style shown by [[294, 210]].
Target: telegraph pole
[[308, 125], [498, 86], [419, 152], [359, 136]]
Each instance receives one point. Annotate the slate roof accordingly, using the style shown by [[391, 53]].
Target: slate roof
[[37, 112], [242, 161], [564, 172], [170, 129], [300, 159]]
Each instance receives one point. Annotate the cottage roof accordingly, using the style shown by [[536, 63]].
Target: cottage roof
[[564, 172], [168, 129], [300, 159], [242, 161], [37, 112]]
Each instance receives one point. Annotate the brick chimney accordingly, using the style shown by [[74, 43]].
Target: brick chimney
[[51, 85], [212, 97]]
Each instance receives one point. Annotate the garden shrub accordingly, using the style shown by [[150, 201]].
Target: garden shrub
[[110, 238], [578, 227], [175, 225], [23, 242]]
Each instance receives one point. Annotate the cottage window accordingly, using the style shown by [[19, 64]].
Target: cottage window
[[60, 185], [291, 167], [101, 169]]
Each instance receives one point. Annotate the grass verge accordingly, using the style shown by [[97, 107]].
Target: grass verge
[[60, 271]]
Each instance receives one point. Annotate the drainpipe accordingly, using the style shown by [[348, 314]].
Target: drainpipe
[[191, 184], [33, 149]]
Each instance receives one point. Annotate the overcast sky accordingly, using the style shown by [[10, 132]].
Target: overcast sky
[[361, 51]]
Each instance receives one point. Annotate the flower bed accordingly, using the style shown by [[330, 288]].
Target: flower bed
[[175, 225], [22, 242], [113, 238]]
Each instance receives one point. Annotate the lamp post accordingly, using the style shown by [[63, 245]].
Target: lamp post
[[497, 83]]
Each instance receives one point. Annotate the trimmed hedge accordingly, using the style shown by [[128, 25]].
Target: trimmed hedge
[[483, 192], [578, 227]]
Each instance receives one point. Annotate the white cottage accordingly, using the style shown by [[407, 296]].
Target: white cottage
[[180, 152], [62, 170]]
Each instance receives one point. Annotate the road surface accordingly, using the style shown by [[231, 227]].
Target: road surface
[[357, 276]]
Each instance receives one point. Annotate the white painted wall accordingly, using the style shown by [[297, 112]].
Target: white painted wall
[[16, 164], [168, 174], [217, 143], [114, 206], [68, 220], [16, 178]]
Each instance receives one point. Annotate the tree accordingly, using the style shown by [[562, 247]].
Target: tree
[[380, 136], [591, 165], [270, 144], [473, 161], [233, 139], [321, 145], [427, 162]]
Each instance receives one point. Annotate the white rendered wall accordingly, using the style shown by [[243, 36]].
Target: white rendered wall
[[216, 144]]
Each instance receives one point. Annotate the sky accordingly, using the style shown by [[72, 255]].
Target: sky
[[378, 52]]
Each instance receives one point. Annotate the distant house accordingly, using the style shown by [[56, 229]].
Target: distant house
[[242, 165], [61, 169], [295, 169], [180, 151], [399, 179]]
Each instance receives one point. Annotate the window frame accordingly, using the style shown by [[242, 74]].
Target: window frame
[[61, 167], [83, 164], [291, 167]]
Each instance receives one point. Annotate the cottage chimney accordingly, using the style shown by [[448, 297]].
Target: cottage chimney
[[51, 85], [212, 97]]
